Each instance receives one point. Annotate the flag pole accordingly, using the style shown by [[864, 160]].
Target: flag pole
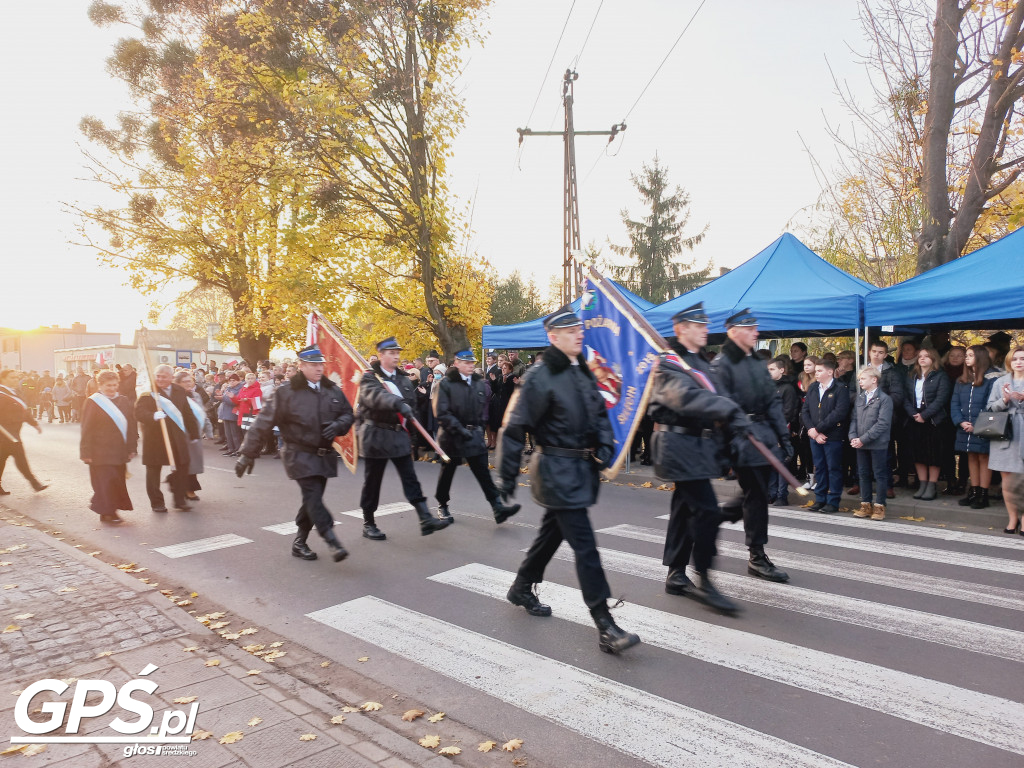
[[156, 399], [657, 340]]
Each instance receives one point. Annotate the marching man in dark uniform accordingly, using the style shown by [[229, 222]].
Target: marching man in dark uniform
[[182, 427], [688, 445], [560, 406], [745, 379], [386, 398], [461, 401], [309, 411], [13, 413]]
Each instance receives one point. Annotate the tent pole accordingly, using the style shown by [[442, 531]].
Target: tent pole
[[856, 346]]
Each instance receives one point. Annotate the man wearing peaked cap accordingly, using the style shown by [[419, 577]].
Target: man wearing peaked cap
[[692, 314], [460, 406], [386, 397], [309, 411], [560, 405], [740, 376]]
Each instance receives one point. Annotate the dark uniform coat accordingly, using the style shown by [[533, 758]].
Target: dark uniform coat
[[154, 454], [679, 400], [460, 414], [558, 404], [300, 413], [13, 414], [101, 442], [745, 379], [381, 436]]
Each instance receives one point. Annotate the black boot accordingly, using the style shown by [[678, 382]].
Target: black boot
[[678, 583], [503, 512], [521, 593], [428, 523], [972, 493], [611, 637], [759, 565], [338, 552], [708, 594], [981, 500], [370, 529], [301, 549], [443, 513]]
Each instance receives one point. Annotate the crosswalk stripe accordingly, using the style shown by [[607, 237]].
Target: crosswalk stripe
[[932, 627], [202, 545], [387, 509], [964, 537], [660, 732], [285, 529], [961, 712], [911, 551], [872, 574]]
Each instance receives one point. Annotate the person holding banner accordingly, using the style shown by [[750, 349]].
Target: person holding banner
[[461, 404], [560, 406], [743, 378], [13, 413], [177, 417], [310, 411], [110, 439], [689, 449], [386, 400]]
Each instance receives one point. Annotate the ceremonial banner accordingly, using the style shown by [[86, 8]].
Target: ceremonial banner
[[621, 354], [345, 367]]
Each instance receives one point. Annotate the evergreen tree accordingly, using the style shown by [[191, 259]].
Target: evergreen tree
[[654, 270], [515, 300]]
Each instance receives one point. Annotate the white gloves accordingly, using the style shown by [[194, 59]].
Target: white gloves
[[159, 415]]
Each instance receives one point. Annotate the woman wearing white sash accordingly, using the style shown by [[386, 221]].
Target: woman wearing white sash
[[185, 380], [109, 441]]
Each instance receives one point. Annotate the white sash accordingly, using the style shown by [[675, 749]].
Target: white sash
[[173, 413], [199, 413], [10, 393], [113, 412]]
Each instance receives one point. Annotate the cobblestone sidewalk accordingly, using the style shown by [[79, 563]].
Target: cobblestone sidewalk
[[64, 615]]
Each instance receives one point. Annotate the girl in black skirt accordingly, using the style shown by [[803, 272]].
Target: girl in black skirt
[[927, 403]]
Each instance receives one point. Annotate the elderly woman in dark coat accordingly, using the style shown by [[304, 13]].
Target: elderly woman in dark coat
[[109, 440]]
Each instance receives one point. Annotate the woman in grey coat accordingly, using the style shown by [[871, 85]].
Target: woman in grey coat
[[870, 424], [1005, 455]]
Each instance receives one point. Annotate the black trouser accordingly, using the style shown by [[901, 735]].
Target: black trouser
[[176, 480], [478, 465], [373, 475], [692, 526], [754, 482], [17, 452], [573, 526], [313, 512]]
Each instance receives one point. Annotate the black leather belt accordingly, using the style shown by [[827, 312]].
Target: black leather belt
[[757, 417], [314, 451], [569, 453], [705, 433], [383, 425]]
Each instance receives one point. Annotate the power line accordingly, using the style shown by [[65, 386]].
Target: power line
[[548, 70], [664, 60], [583, 47]]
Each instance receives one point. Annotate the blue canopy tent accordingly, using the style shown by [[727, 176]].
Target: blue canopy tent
[[791, 290], [531, 335], [984, 289]]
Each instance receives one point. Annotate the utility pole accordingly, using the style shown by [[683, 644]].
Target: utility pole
[[572, 269]]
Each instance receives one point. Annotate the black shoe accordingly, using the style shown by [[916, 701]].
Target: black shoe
[[301, 549], [371, 531], [782, 501], [160, 509], [772, 500], [4, 493], [678, 583], [443, 513], [611, 637], [338, 552], [111, 518], [428, 523], [645, 462], [522, 594], [973, 492], [503, 512], [817, 506], [708, 594], [981, 499], [829, 509], [759, 565]]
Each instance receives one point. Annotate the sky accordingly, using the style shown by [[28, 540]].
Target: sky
[[729, 114]]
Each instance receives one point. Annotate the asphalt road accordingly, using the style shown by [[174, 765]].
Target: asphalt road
[[893, 645]]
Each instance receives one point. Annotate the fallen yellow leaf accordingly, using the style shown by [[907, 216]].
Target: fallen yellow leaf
[[371, 706], [363, 658], [10, 628], [216, 615], [648, 484], [101, 654], [412, 714], [512, 744], [191, 648], [253, 648], [449, 751], [430, 741], [213, 663], [219, 624], [183, 603], [162, 591], [307, 737], [185, 699], [4, 563], [201, 735], [10, 586], [230, 635], [194, 594], [338, 719], [14, 750], [350, 709], [274, 655], [278, 644], [436, 718], [253, 721], [248, 631], [33, 749], [68, 589], [23, 616], [486, 746], [231, 738], [254, 672], [325, 664]]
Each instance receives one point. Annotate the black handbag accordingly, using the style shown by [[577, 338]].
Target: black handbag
[[994, 425]]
